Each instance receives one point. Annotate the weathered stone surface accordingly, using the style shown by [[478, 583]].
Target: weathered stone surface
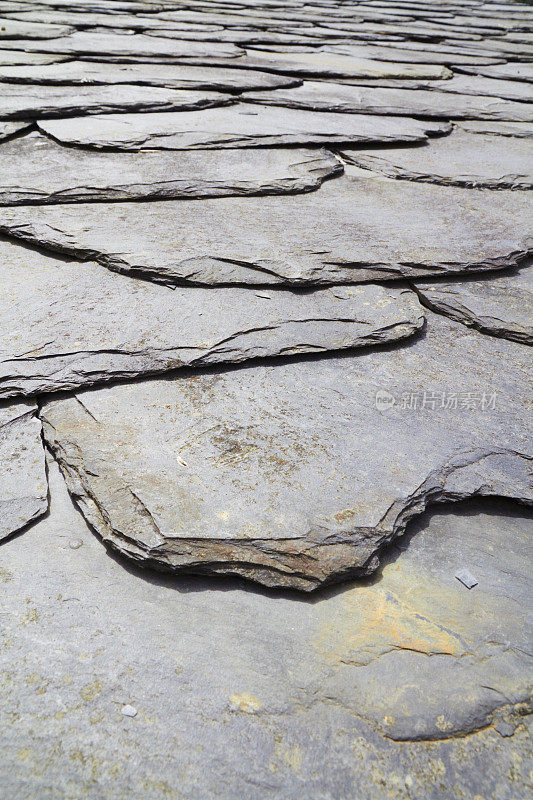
[[19, 57], [14, 29], [317, 96], [392, 51], [459, 84], [497, 128], [244, 125], [35, 169], [23, 484], [501, 305], [25, 102], [66, 325], [335, 65], [319, 691], [461, 159], [511, 71], [296, 474], [360, 227], [173, 76], [121, 46], [9, 129]]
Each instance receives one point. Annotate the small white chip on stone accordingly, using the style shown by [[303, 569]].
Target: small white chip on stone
[[128, 711], [466, 578]]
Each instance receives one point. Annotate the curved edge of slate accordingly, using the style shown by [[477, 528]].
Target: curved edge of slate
[[390, 170], [450, 307], [324, 166], [85, 368], [323, 557], [23, 477]]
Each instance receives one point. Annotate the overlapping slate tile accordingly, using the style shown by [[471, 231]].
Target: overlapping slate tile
[[15, 29], [137, 46], [20, 58], [502, 305], [242, 125], [23, 484], [9, 129], [66, 325], [461, 159], [35, 169], [356, 228], [25, 102], [296, 474], [320, 96], [514, 70], [172, 76], [497, 128]]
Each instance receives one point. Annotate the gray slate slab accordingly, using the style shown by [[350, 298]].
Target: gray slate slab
[[514, 71], [502, 305], [122, 45], [31, 102], [295, 475], [23, 484], [319, 691], [459, 84], [35, 169], [66, 325], [173, 76], [14, 29], [497, 128], [357, 228], [320, 96], [461, 159], [334, 65], [20, 58], [242, 125]]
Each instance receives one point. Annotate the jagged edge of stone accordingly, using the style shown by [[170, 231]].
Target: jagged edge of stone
[[206, 556], [56, 241], [194, 357], [327, 161], [381, 166], [491, 326], [44, 507]]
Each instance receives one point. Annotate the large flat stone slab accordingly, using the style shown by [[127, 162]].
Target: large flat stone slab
[[497, 128], [172, 76], [358, 227], [35, 169], [23, 484], [296, 474], [117, 45], [514, 70], [336, 65], [321, 692], [241, 125], [20, 58], [15, 29], [320, 96], [461, 159], [502, 305], [459, 84], [33, 102], [66, 325]]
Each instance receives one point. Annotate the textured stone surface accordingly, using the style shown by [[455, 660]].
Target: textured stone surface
[[459, 84], [173, 76], [511, 71], [35, 169], [498, 128], [317, 96], [9, 129], [242, 693], [24, 102], [240, 125], [68, 324], [502, 305], [20, 58], [23, 484], [461, 159], [15, 29], [296, 474], [335, 65], [121, 46], [356, 228]]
